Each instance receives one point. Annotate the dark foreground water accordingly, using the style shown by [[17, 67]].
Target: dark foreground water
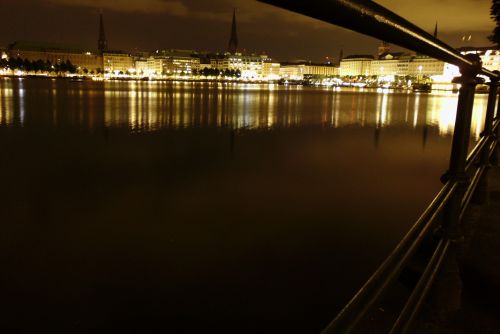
[[190, 208]]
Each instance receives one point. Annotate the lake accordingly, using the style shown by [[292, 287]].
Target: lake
[[188, 207]]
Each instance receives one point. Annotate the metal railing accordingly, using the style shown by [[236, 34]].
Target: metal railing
[[465, 172]]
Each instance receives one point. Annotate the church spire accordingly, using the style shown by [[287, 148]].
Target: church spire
[[102, 43], [233, 41], [436, 30]]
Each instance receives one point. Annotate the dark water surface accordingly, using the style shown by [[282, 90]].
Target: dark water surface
[[192, 208]]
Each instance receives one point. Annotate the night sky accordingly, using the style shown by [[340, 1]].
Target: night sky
[[205, 25]]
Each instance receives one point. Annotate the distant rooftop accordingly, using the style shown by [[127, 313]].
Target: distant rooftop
[[46, 47], [176, 52], [305, 62], [393, 54], [476, 48], [359, 57]]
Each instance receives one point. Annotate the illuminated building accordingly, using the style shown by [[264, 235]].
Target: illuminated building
[[490, 56], [393, 64], [291, 72], [118, 62], [205, 62], [177, 62], [386, 64], [308, 70], [219, 62], [320, 70], [56, 55], [356, 65], [88, 60], [271, 70], [149, 66], [491, 59], [250, 66], [424, 65]]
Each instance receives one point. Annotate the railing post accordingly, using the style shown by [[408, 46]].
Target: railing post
[[448, 287], [496, 134], [481, 193], [497, 115], [461, 134], [490, 117]]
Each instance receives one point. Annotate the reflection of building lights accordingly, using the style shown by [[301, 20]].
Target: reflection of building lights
[[416, 109], [446, 121]]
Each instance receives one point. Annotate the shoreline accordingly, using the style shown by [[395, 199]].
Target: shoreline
[[79, 78]]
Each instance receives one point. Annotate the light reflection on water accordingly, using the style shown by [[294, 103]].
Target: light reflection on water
[[267, 106], [150, 106]]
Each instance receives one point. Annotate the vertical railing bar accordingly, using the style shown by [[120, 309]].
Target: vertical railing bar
[[489, 119]]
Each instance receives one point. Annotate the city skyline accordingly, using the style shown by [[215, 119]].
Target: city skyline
[[157, 24]]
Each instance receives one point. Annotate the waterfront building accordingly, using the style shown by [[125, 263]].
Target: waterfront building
[[491, 59], [389, 64], [291, 72], [85, 60], [394, 64], [320, 70], [205, 62], [421, 65], [356, 65], [402, 64], [56, 55], [303, 71], [250, 66], [149, 66], [271, 70], [141, 66], [177, 62], [490, 56], [219, 62], [118, 62]]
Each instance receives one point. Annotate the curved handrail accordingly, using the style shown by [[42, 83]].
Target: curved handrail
[[369, 18]]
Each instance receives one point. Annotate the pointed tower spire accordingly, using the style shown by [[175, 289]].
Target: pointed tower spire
[[436, 30], [102, 43], [233, 41]]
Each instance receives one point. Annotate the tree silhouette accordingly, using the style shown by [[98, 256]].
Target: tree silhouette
[[495, 15]]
